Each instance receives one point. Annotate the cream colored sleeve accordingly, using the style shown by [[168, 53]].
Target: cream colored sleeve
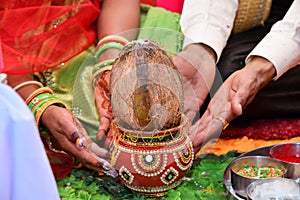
[[209, 22], [281, 45]]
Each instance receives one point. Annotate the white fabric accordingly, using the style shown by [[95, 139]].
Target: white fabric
[[210, 22], [25, 172], [282, 45]]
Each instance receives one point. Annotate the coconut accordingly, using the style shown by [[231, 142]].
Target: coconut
[[146, 88]]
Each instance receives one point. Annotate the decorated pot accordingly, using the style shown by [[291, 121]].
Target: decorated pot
[[152, 163], [151, 150]]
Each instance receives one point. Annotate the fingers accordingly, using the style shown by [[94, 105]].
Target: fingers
[[101, 152], [207, 127], [103, 106], [93, 161], [104, 126], [236, 107], [89, 157], [104, 166], [61, 121], [69, 135], [96, 163], [77, 139]]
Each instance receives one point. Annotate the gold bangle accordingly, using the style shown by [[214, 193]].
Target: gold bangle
[[224, 122], [44, 107], [112, 38], [16, 88], [37, 92]]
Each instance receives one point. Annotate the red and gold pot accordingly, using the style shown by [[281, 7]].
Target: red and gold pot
[[152, 163]]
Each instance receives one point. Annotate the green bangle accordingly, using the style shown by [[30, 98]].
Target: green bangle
[[41, 103], [109, 45], [38, 112], [39, 98], [102, 64]]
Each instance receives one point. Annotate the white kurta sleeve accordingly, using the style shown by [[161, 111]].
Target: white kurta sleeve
[[209, 22], [25, 171], [281, 45]]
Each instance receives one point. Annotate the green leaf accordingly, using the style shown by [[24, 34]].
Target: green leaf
[[66, 191], [84, 195], [205, 183]]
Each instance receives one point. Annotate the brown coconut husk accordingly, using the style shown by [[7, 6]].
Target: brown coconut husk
[[146, 88]]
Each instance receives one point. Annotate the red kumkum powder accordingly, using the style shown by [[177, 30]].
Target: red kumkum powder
[[287, 154]]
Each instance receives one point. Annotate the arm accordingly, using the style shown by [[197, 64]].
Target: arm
[[208, 22], [125, 22], [61, 123], [281, 45], [206, 33], [67, 133], [118, 16], [269, 59], [277, 52]]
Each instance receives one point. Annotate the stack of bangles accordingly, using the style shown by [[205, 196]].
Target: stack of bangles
[[40, 100], [108, 42]]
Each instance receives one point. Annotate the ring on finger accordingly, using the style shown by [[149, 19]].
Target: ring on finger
[[224, 122], [77, 140]]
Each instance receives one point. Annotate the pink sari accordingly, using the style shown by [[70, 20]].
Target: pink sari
[[171, 5]]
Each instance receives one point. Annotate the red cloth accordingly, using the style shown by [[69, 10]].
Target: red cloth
[[41, 34]]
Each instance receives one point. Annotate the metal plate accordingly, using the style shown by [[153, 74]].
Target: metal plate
[[263, 151]]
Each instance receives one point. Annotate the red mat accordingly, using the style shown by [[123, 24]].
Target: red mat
[[266, 129]]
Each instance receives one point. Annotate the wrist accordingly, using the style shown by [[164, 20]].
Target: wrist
[[203, 49], [109, 47], [264, 68], [24, 85], [209, 51], [108, 54]]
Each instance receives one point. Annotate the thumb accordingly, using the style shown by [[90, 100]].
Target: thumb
[[236, 106]]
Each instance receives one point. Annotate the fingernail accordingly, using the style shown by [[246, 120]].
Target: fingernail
[[113, 173], [106, 166]]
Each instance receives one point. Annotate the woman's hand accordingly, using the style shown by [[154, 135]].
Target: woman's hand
[[231, 98], [70, 136], [197, 65], [102, 96]]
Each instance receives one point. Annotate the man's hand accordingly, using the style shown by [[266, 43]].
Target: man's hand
[[231, 98], [196, 62]]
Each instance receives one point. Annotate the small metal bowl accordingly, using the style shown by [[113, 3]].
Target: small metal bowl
[[240, 182], [274, 188], [288, 153]]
